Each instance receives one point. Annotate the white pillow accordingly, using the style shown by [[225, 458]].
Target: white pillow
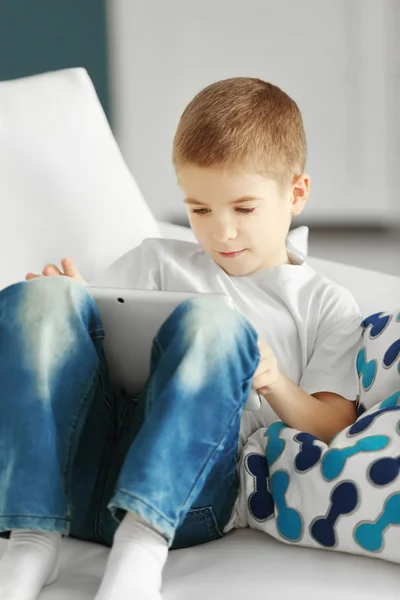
[[297, 240], [341, 496], [65, 189]]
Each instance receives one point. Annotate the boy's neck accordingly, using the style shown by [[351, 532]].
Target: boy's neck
[[282, 258]]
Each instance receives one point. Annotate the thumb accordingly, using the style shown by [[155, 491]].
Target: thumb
[[70, 269]]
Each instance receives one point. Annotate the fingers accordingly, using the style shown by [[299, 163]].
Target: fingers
[[262, 367], [51, 271], [260, 381], [265, 370], [263, 381], [261, 347], [265, 351], [71, 270], [69, 267], [48, 271]]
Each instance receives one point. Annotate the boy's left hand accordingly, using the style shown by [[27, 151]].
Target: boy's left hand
[[267, 375]]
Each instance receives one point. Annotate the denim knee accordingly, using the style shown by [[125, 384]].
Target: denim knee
[[42, 324], [211, 317], [209, 333], [47, 299]]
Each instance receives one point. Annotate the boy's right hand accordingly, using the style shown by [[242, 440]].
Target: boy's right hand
[[69, 269]]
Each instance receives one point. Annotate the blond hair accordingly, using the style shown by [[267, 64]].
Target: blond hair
[[242, 123]]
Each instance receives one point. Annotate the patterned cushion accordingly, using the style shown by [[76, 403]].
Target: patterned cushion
[[344, 495], [378, 362]]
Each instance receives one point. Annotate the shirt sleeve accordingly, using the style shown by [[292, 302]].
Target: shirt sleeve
[[138, 269], [332, 366]]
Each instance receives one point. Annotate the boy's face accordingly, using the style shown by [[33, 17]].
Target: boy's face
[[254, 229]]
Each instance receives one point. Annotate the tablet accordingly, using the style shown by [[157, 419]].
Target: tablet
[[131, 319]]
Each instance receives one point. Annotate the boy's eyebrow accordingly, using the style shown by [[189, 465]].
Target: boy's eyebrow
[[239, 201]]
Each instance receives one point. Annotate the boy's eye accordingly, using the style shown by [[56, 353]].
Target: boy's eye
[[200, 211], [204, 211], [246, 211]]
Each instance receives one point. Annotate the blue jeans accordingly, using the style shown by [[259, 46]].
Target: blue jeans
[[76, 452]]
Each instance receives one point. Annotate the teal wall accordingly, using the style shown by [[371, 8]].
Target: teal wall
[[44, 35]]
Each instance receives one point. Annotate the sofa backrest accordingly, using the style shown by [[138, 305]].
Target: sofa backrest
[[65, 189]]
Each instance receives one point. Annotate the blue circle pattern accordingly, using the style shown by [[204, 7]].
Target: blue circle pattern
[[334, 460], [270, 500], [369, 535], [261, 503], [377, 324], [344, 500], [308, 455]]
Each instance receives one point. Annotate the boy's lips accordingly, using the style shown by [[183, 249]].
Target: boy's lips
[[231, 254]]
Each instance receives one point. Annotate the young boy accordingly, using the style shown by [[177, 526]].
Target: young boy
[[166, 465]]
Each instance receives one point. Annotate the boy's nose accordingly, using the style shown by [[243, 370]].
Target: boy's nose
[[223, 233]]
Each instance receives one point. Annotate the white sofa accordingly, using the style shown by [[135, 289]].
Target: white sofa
[[65, 190]]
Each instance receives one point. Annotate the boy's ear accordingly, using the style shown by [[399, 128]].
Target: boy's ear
[[300, 191]]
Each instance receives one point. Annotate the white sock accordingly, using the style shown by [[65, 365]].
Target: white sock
[[29, 563], [135, 563]]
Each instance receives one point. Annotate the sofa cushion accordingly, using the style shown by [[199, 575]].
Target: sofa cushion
[[65, 189]]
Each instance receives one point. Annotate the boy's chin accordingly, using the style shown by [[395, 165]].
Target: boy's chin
[[237, 267], [236, 270]]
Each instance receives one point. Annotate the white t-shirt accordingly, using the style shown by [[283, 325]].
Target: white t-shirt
[[312, 324]]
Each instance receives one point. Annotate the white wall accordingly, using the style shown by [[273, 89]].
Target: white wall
[[334, 57]]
